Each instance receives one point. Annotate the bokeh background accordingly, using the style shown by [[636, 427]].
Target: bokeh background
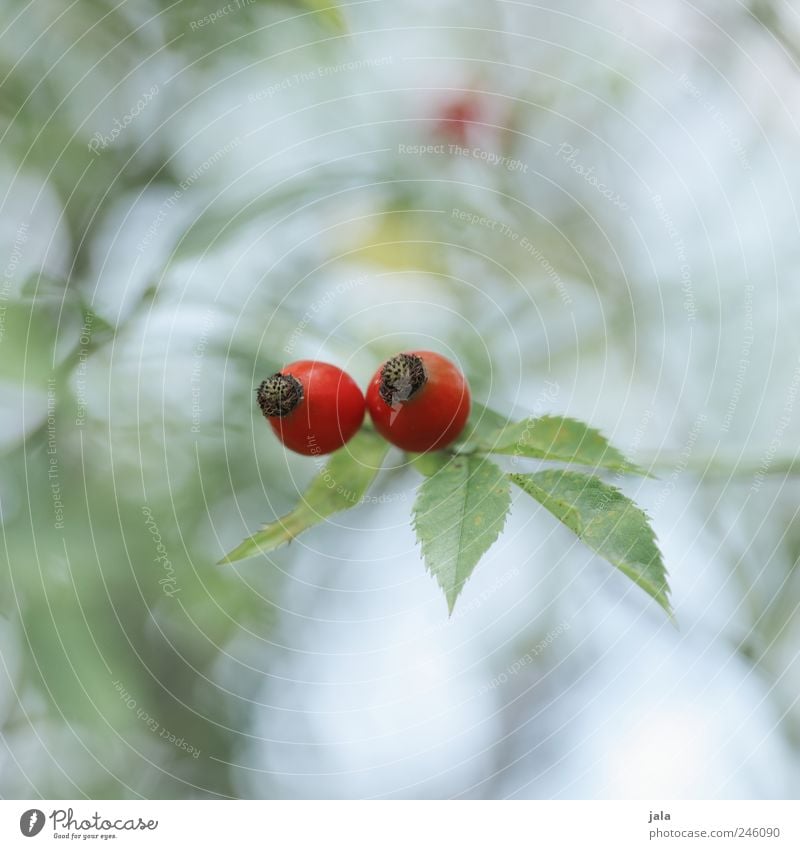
[[605, 226]]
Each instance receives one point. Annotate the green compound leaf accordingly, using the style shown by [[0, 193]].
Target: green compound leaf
[[431, 463], [557, 438], [483, 424], [607, 521], [459, 512], [339, 486]]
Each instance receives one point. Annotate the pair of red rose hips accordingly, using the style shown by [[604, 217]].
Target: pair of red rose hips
[[418, 401]]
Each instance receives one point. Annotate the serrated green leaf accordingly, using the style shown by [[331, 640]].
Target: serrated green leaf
[[339, 486], [607, 521], [557, 438], [459, 512], [483, 424], [429, 464]]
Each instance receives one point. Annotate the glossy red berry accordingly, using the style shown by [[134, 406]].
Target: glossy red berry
[[313, 407], [419, 401]]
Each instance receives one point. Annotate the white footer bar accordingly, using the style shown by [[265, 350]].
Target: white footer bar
[[403, 824]]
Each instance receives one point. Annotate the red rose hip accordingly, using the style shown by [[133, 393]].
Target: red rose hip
[[313, 407], [419, 401]]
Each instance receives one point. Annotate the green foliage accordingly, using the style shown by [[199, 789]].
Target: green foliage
[[484, 423], [459, 512], [557, 438], [607, 521], [339, 486], [462, 504], [40, 331], [328, 12], [314, 197]]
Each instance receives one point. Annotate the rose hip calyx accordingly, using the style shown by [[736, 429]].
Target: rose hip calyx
[[401, 378], [279, 394]]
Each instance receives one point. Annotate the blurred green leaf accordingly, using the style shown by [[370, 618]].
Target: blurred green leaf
[[459, 512], [328, 12], [39, 330], [74, 645], [556, 438], [607, 521], [340, 486]]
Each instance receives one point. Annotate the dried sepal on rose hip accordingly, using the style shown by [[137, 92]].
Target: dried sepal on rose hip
[[419, 401], [313, 407]]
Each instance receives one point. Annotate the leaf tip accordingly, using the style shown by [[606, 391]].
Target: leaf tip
[[670, 614], [451, 602], [228, 559]]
